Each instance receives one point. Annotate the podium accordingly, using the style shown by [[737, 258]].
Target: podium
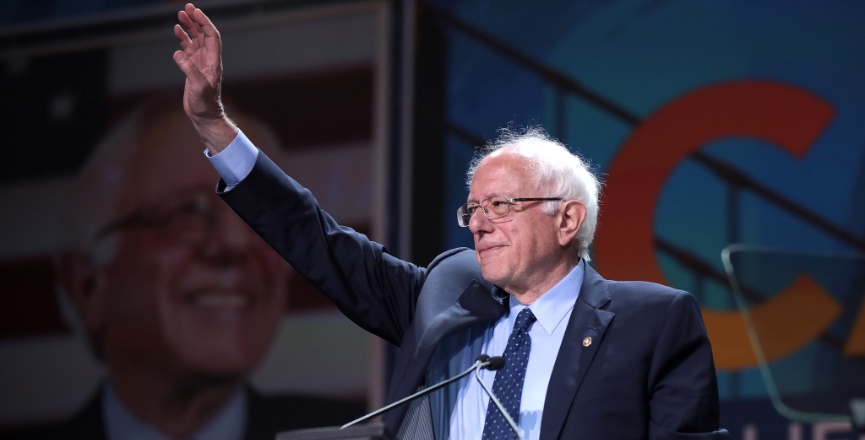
[[373, 431], [804, 311]]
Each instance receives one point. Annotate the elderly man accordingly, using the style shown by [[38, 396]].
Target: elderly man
[[180, 299], [585, 357]]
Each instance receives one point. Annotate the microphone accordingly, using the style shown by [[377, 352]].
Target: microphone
[[482, 361], [497, 363]]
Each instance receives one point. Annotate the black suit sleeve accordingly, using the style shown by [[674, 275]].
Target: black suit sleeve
[[373, 288]]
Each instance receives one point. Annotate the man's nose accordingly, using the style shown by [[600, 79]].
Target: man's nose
[[479, 223], [229, 239]]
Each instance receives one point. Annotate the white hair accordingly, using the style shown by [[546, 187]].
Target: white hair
[[95, 197], [553, 168]]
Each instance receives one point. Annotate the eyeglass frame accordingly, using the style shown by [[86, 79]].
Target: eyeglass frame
[[158, 216], [464, 216]]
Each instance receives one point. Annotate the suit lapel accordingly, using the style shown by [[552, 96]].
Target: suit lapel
[[441, 317], [475, 305], [582, 338], [88, 423]]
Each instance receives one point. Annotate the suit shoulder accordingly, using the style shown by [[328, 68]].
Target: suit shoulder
[[87, 424], [455, 266], [461, 257], [646, 293]]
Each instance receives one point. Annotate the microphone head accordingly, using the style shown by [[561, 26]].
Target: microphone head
[[496, 363], [482, 358]]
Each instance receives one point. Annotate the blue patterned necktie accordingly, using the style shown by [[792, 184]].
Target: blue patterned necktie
[[508, 385]]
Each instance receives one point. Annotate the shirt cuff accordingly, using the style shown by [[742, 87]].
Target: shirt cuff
[[235, 162]]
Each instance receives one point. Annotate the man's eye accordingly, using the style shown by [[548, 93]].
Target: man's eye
[[470, 209], [498, 203], [190, 208]]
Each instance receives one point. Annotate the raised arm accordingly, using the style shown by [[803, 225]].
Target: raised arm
[[200, 59]]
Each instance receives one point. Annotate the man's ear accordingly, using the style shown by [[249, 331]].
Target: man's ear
[[572, 214], [81, 282]]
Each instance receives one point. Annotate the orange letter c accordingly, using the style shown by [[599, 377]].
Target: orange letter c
[[783, 115]]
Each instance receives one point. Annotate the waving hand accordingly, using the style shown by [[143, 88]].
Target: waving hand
[[200, 59]]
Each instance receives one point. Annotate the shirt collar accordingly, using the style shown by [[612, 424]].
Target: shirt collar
[[122, 424], [552, 307]]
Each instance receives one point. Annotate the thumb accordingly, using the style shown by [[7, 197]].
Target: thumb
[[186, 65], [195, 79]]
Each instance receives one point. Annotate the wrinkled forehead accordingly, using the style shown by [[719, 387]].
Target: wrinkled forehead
[[502, 174], [167, 158]]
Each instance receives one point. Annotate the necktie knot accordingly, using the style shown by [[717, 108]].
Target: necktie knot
[[525, 319]]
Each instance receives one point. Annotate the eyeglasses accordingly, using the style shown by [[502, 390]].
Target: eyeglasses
[[182, 218], [494, 207]]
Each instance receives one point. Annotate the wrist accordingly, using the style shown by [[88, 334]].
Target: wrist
[[216, 134]]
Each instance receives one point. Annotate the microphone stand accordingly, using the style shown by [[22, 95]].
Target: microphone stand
[[482, 361], [499, 405]]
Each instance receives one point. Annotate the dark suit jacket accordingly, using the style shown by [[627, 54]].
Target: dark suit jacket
[[265, 417], [648, 372]]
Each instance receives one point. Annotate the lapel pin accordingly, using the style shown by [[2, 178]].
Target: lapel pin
[[587, 341]]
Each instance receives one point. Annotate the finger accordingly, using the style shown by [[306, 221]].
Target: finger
[[201, 22], [188, 67], [181, 36], [187, 18], [208, 35], [189, 8], [186, 45], [184, 19], [204, 24], [189, 29], [212, 41]]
